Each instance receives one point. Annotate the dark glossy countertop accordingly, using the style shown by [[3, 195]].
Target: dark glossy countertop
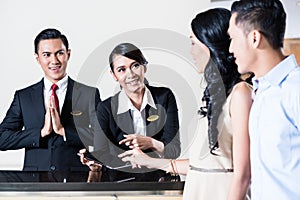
[[77, 181]]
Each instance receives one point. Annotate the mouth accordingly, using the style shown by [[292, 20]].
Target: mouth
[[132, 82], [54, 69]]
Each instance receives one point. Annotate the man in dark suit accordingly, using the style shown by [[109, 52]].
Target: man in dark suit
[[54, 118]]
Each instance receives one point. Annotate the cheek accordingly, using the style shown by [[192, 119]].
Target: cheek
[[120, 77], [63, 59], [43, 62], [194, 51]]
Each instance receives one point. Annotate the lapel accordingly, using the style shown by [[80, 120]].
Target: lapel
[[123, 120], [37, 99], [72, 96], [153, 124]]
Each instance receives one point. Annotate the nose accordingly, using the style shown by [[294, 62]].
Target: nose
[[230, 48], [54, 60], [130, 73]]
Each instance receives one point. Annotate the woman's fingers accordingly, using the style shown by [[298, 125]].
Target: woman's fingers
[[126, 153]]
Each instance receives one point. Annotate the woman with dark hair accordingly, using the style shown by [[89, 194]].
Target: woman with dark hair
[[219, 164], [139, 116]]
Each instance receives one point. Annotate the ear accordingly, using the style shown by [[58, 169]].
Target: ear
[[256, 38], [37, 58], [69, 53], [113, 75]]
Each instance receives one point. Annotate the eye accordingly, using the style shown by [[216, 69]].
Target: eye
[[45, 54], [135, 65], [121, 69]]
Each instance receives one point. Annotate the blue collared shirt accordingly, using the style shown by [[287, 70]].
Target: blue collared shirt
[[274, 128]]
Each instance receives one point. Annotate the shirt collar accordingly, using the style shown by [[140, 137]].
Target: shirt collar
[[279, 73], [62, 84], [125, 104], [255, 84]]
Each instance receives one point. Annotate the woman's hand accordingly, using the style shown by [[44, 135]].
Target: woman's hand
[[136, 157], [95, 167], [94, 176], [137, 141]]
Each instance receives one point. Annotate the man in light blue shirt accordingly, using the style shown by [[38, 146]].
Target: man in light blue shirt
[[257, 31]]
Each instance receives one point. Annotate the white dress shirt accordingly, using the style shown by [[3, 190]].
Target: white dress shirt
[[60, 92], [138, 116]]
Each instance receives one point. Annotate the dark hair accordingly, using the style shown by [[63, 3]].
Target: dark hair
[[128, 50], [267, 16], [221, 74], [50, 33]]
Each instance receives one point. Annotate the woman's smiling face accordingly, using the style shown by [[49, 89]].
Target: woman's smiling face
[[129, 73]]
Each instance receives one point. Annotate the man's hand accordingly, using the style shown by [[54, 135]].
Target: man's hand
[[47, 129], [52, 121], [56, 124]]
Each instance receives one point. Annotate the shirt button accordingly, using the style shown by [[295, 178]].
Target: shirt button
[[52, 168]]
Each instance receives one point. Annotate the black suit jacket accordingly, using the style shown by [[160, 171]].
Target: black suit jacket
[[21, 127], [114, 126]]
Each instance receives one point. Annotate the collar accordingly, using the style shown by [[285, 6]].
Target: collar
[[279, 72], [62, 84], [125, 104]]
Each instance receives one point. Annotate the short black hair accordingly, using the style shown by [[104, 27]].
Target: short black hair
[[50, 33], [267, 16]]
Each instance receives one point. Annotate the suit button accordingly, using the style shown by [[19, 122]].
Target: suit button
[[52, 168]]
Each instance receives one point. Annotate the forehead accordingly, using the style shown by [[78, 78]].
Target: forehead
[[232, 24], [120, 60], [50, 44]]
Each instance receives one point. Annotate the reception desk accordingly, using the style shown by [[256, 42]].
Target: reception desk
[[82, 185]]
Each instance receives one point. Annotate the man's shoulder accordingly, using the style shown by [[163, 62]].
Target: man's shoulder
[[34, 86], [82, 85], [293, 79]]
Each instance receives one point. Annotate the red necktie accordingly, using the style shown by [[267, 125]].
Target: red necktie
[[54, 87]]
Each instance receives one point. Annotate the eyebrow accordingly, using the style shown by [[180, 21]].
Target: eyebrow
[[122, 66], [54, 52]]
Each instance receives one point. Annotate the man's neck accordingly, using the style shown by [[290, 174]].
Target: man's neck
[[266, 61]]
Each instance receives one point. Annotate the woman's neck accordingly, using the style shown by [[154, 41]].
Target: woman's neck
[[136, 98]]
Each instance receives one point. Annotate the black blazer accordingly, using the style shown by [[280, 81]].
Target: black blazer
[[114, 126], [21, 127]]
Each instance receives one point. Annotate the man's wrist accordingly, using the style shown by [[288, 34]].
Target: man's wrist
[[61, 131]]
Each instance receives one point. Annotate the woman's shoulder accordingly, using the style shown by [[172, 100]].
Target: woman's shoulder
[[159, 89], [106, 103], [241, 94], [242, 88]]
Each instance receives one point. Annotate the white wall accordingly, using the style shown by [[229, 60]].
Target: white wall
[[90, 24], [291, 8], [91, 27]]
